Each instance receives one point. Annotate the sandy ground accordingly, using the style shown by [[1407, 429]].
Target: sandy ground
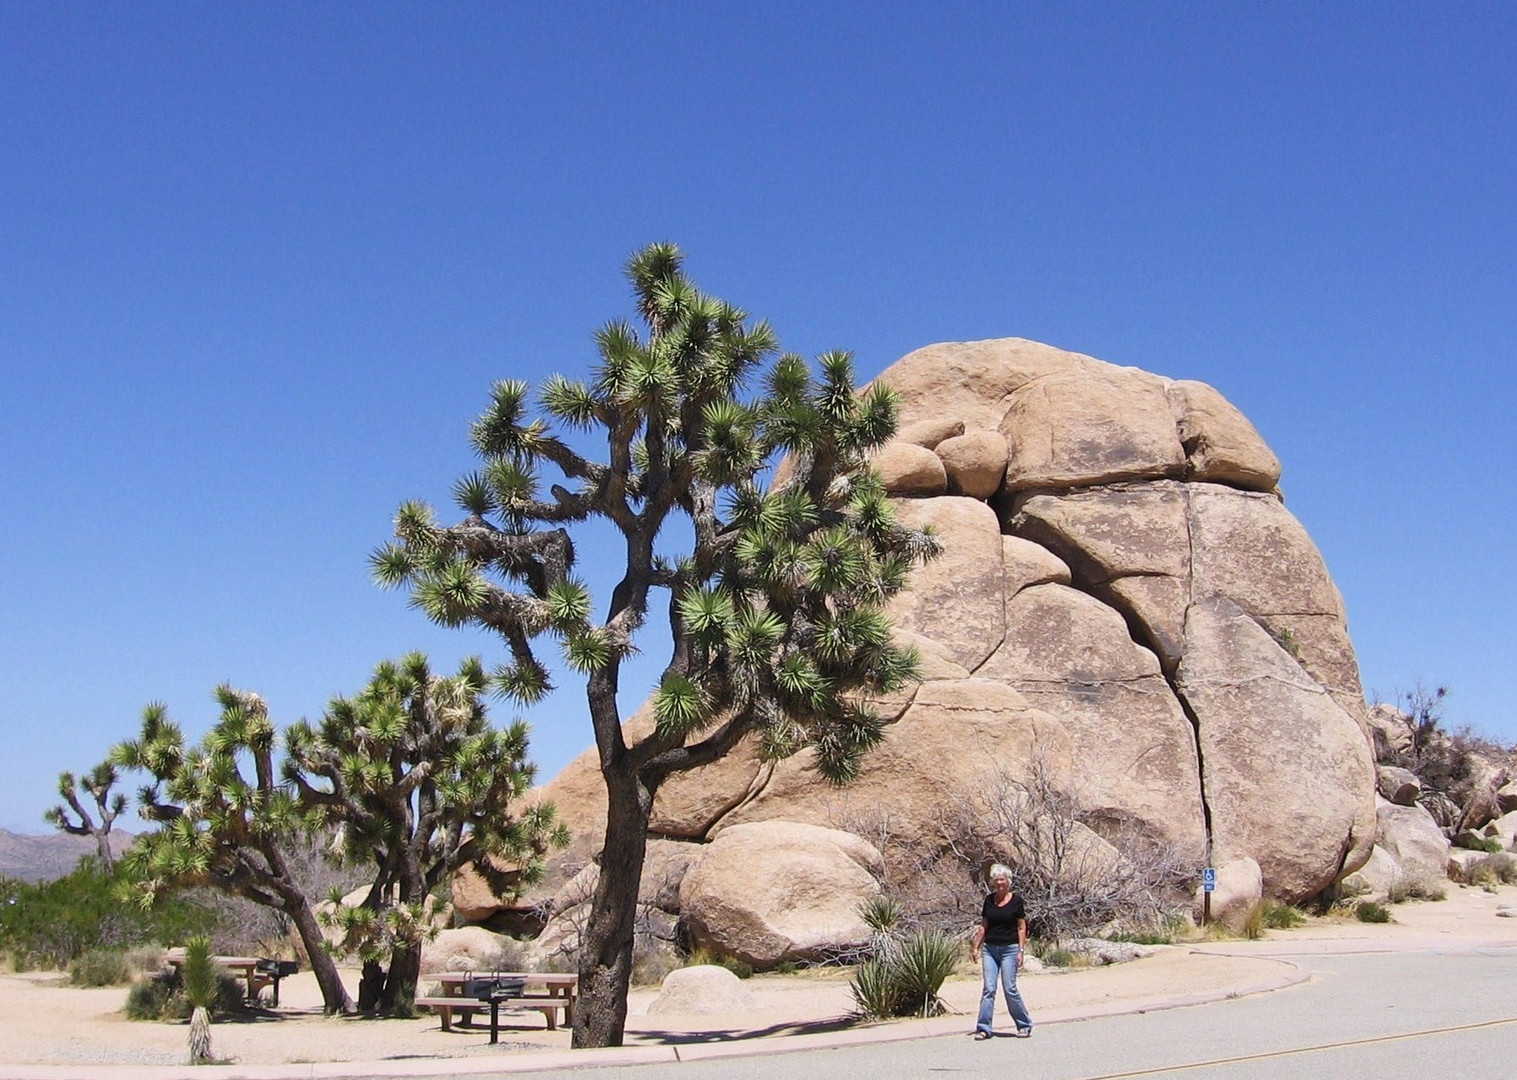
[[43, 1021]]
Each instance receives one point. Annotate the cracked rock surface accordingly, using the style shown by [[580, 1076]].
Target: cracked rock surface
[[1124, 596]]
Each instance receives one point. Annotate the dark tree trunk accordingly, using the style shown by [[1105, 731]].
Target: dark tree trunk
[[399, 995], [334, 996], [605, 972], [371, 987]]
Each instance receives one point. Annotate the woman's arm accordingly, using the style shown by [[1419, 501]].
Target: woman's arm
[[978, 940], [1021, 941]]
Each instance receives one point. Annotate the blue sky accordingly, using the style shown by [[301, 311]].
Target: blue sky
[[260, 263]]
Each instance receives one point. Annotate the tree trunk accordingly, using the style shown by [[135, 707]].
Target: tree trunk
[[371, 987], [399, 995], [605, 972], [103, 845], [200, 1036], [334, 996]]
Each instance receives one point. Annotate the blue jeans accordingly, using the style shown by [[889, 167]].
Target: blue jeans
[[999, 964]]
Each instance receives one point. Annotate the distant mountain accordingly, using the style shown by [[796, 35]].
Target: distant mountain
[[43, 858]]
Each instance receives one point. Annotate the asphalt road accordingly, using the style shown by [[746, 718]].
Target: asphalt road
[[1383, 1016]]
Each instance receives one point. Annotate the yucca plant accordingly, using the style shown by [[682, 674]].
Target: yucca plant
[[875, 990], [199, 974], [923, 962]]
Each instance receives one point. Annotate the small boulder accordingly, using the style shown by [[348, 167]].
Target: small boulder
[[702, 989], [1504, 828], [462, 949], [975, 463], [910, 470], [1506, 797], [1413, 838], [930, 432], [1220, 444], [1397, 785], [1377, 879], [780, 890], [1240, 888]]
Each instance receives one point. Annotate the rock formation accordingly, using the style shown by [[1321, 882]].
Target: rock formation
[[1122, 597]]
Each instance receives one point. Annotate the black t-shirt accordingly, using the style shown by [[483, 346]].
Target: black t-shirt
[[1001, 922]]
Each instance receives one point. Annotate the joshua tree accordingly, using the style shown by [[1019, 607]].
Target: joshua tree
[[97, 784], [775, 608], [418, 784], [220, 828]]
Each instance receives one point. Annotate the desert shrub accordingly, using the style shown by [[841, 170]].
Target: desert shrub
[[1253, 926], [1143, 937], [1418, 887], [149, 997], [1057, 956], [1495, 869], [49, 924], [1488, 844], [101, 967], [707, 955], [1277, 916], [160, 996], [1076, 871], [1370, 912]]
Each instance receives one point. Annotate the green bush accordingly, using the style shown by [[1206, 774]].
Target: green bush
[[149, 998], [1371, 912], [1488, 844], [1277, 916], [160, 996], [101, 967], [50, 924], [1059, 957]]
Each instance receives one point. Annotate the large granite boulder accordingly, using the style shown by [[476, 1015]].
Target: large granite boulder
[[1123, 599]]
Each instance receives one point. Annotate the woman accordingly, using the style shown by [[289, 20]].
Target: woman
[[999, 942]]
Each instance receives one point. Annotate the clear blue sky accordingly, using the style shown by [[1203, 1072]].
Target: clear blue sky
[[259, 264]]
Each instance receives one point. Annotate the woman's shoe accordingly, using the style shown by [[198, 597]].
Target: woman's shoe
[[981, 1036]]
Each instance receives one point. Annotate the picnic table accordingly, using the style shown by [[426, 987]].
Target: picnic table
[[550, 993], [255, 972]]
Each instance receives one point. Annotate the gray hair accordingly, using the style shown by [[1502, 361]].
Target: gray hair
[[998, 870]]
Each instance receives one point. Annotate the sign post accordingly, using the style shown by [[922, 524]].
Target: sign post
[[1208, 886]]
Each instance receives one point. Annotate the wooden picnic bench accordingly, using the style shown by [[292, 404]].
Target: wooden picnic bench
[[549, 993], [255, 972]]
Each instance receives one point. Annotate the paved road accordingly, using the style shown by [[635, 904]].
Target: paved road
[[1386, 1016]]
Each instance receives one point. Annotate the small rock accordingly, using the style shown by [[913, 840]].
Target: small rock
[[704, 988]]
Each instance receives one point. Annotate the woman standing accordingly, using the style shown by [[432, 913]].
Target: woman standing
[[999, 942]]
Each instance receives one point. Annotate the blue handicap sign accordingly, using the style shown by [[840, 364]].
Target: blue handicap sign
[[1209, 879]]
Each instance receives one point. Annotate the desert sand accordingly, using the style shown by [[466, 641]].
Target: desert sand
[[45, 1022]]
